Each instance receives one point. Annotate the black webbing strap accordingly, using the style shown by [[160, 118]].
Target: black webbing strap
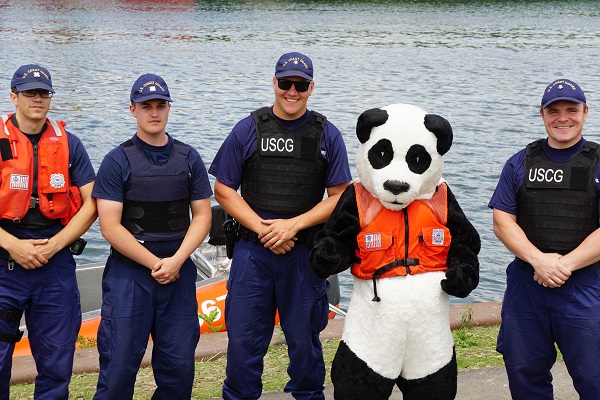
[[305, 236], [11, 315], [248, 234], [120, 256], [11, 337], [404, 262], [5, 150]]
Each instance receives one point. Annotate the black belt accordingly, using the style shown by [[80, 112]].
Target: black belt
[[124, 259], [119, 256], [305, 236], [4, 254], [590, 267], [248, 235]]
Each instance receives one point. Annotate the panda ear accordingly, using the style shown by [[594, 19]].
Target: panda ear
[[442, 130], [368, 120]]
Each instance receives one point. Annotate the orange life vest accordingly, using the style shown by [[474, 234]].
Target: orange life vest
[[57, 198], [398, 243]]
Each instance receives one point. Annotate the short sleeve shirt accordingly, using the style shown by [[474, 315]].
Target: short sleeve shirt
[[114, 171], [513, 175], [240, 144]]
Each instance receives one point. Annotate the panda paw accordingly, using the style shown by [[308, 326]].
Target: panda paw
[[457, 283], [325, 258]]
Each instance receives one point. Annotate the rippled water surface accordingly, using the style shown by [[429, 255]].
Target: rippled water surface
[[482, 65]]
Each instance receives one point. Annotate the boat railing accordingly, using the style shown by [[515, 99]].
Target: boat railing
[[211, 261]]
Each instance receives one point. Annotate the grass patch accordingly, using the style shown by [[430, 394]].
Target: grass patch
[[475, 348], [83, 342]]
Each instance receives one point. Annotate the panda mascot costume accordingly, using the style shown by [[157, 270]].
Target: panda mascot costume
[[409, 246]]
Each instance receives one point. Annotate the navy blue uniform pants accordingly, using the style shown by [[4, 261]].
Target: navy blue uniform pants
[[134, 306], [49, 297], [534, 318], [259, 283]]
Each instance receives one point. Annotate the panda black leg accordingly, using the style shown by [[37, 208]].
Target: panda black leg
[[440, 385], [354, 380]]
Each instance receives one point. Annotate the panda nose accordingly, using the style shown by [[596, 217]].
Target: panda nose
[[396, 187]]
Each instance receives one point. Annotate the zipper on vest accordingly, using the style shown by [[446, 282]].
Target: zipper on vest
[[406, 261], [406, 241], [34, 189]]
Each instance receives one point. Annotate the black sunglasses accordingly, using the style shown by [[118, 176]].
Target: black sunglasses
[[286, 84], [42, 92]]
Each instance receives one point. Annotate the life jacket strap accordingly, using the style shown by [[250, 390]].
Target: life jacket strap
[[11, 315], [404, 262], [11, 337], [376, 298]]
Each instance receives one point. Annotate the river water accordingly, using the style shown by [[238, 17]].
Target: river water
[[481, 64]]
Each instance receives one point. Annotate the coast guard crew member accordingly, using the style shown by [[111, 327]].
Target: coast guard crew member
[[546, 208], [45, 205], [145, 189], [283, 157]]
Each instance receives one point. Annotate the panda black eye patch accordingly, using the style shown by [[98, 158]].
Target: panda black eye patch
[[381, 154], [418, 159]]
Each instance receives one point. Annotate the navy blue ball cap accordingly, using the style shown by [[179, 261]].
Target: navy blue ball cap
[[562, 89], [150, 87], [31, 76], [294, 64]]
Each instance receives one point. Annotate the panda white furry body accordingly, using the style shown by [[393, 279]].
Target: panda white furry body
[[413, 315], [403, 339]]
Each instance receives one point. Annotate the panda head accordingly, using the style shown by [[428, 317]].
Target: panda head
[[400, 154]]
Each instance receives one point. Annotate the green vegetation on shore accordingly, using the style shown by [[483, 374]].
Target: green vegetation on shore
[[475, 348]]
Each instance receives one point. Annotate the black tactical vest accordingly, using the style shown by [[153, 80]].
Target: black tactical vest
[[558, 202], [286, 173], [157, 197]]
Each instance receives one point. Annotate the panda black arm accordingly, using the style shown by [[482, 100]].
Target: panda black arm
[[334, 245], [462, 275]]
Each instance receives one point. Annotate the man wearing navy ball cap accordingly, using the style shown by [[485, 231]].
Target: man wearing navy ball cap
[[284, 158], [46, 204], [294, 64], [546, 208], [32, 76], [145, 190], [562, 89]]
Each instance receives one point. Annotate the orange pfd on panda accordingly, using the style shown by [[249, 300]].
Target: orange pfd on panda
[[410, 241], [57, 198]]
